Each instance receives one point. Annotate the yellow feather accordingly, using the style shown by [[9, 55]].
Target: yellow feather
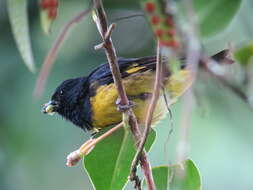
[[104, 109], [134, 69]]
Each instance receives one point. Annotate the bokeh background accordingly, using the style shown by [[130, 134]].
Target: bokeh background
[[33, 146]]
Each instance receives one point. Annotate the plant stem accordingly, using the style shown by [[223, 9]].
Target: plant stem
[[101, 22], [151, 108], [75, 156], [193, 51], [49, 61]]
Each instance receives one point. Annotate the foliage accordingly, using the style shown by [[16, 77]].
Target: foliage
[[19, 22], [182, 176], [212, 19], [108, 165], [110, 170], [212, 16], [244, 54]]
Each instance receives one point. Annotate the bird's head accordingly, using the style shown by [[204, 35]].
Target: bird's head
[[67, 100]]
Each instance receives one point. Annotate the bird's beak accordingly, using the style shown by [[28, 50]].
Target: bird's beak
[[50, 107]]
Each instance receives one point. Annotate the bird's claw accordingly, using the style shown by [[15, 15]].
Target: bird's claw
[[124, 107]]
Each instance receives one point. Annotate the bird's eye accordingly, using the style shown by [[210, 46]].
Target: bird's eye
[[61, 92]]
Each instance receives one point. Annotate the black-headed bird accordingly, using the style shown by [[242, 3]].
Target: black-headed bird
[[90, 102]]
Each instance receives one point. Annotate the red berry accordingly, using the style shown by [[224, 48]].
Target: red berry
[[169, 21], [155, 20], [45, 4], [52, 13], [171, 32], [159, 33], [53, 3], [172, 43], [149, 7]]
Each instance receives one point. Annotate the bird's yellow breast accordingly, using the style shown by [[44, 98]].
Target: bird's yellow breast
[[103, 104]]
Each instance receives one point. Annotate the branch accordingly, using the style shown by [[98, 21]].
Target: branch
[[77, 155], [128, 17], [224, 57], [101, 22], [206, 64], [49, 61], [151, 108], [193, 53]]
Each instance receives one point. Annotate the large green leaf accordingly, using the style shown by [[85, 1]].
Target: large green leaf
[[215, 15], [19, 23], [183, 176], [108, 164], [160, 175]]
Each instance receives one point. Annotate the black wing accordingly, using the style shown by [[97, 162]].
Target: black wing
[[102, 74]]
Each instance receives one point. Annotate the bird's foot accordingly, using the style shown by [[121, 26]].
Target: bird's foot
[[124, 107]]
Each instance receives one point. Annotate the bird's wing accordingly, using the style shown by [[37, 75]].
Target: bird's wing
[[102, 74]]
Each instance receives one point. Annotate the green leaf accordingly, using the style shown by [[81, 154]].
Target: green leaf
[[108, 165], [19, 23], [161, 179], [215, 15], [183, 176], [244, 55]]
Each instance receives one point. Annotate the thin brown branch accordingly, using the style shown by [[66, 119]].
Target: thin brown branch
[[128, 17], [205, 64], [109, 31], [236, 90], [101, 22], [102, 25], [50, 59], [222, 57], [151, 108], [77, 155], [99, 46]]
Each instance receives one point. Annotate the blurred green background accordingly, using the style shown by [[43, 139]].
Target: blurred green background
[[33, 146]]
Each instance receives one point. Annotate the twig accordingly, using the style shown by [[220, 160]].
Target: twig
[[151, 108], [77, 155], [128, 17], [204, 65], [192, 62], [49, 61], [101, 22]]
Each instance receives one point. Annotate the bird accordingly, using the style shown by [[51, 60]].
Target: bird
[[89, 102]]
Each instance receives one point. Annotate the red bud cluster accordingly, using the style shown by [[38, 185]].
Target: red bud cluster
[[164, 28]]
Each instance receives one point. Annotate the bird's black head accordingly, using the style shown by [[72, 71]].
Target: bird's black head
[[68, 100]]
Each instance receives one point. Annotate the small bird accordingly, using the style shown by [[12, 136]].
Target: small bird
[[90, 102]]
